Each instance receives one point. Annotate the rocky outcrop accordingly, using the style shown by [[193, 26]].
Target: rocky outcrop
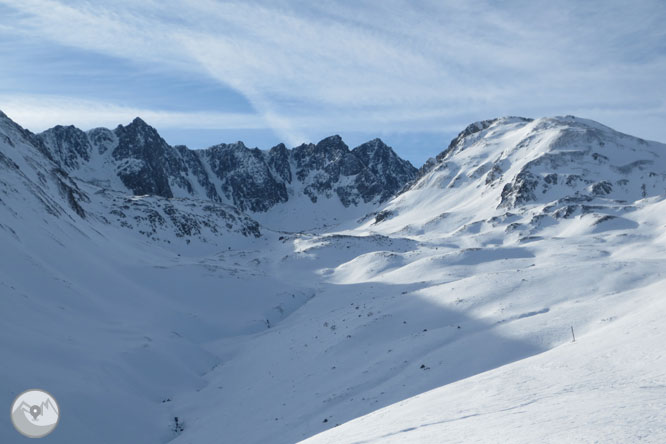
[[38, 181], [136, 158]]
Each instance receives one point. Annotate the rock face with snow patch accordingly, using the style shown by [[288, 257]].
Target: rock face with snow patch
[[391, 171], [38, 176]]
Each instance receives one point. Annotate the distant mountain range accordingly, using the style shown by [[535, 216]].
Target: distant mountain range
[[574, 165], [136, 160]]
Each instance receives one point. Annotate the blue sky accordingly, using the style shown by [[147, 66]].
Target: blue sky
[[411, 72]]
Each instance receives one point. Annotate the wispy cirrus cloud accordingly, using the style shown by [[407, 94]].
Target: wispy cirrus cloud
[[45, 111], [313, 67]]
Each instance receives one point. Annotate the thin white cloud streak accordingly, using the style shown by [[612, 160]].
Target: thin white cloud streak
[[389, 64], [38, 113]]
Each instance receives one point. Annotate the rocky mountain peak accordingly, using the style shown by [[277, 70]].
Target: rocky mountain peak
[[4, 116], [69, 145], [278, 162], [462, 138], [474, 129], [248, 178], [138, 130], [144, 161], [334, 141], [534, 172], [374, 149], [139, 123], [9, 128], [332, 147], [326, 154], [389, 169]]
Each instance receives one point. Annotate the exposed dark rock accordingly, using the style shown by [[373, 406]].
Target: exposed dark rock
[[602, 188], [251, 179], [391, 172], [244, 176], [520, 191], [69, 145], [278, 162], [144, 159]]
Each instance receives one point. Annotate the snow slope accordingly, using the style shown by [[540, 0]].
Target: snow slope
[[514, 278], [451, 307], [531, 173], [99, 305], [532, 258], [609, 387]]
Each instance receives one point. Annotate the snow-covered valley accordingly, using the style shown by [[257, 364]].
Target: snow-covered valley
[[444, 315]]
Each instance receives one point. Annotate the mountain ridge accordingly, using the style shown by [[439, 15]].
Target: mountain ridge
[[531, 172], [251, 179]]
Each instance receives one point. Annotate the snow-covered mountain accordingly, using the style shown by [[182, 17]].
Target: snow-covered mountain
[[531, 229], [37, 191], [527, 175], [183, 303], [328, 178]]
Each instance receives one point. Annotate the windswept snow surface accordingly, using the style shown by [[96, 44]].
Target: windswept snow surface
[[445, 317], [609, 386], [566, 256]]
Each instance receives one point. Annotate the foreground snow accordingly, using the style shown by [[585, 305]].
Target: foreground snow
[[609, 386]]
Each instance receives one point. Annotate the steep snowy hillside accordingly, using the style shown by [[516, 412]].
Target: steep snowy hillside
[[455, 277], [33, 185], [608, 386], [275, 186], [537, 227], [107, 298], [136, 310], [525, 175]]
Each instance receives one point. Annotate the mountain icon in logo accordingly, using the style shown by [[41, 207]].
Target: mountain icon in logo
[[35, 413]]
